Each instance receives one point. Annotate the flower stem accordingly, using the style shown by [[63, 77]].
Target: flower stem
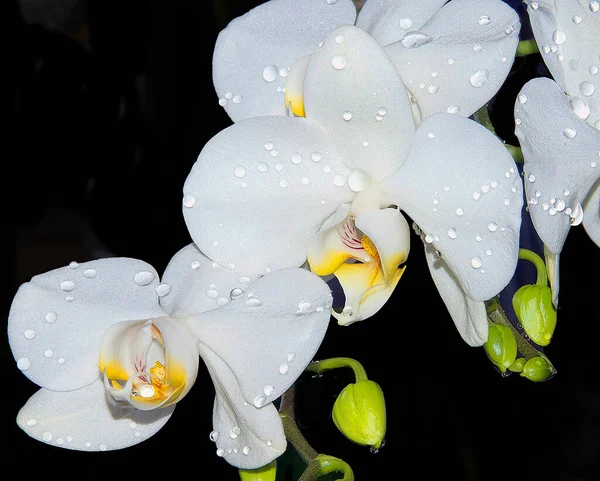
[[337, 362], [526, 47], [291, 429], [538, 262], [324, 464]]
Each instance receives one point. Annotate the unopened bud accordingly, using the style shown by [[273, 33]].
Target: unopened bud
[[501, 347], [536, 312], [359, 413], [537, 369]]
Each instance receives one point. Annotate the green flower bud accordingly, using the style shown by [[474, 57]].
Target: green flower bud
[[537, 369], [536, 312], [359, 413], [518, 365], [501, 347], [266, 473]]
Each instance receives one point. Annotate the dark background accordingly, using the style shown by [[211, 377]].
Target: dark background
[[106, 118]]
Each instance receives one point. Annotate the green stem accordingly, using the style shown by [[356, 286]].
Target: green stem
[[291, 429], [516, 152], [526, 47], [323, 465], [538, 262], [337, 362]]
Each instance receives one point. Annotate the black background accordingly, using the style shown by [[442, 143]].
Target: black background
[[105, 122]]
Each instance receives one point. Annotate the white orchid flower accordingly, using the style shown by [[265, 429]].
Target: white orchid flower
[[113, 350], [451, 56], [271, 191], [558, 125]]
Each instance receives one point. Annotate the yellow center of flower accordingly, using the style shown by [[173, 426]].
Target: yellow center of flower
[[369, 247]]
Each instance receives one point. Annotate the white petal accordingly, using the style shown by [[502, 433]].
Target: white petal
[[469, 316], [461, 186], [566, 32], [58, 318], [591, 217], [246, 436], [388, 20], [562, 159], [260, 189], [352, 90], [84, 420], [253, 54], [269, 335], [458, 60], [199, 284]]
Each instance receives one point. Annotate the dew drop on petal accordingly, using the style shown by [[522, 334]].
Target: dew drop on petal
[[522, 98], [347, 116], [492, 227], [587, 88], [89, 273], [339, 180], [284, 368], [23, 364], [338, 62], [453, 109], [479, 78], [29, 333], [214, 435], [406, 23], [67, 286], [269, 73], [189, 200], [559, 37], [253, 302], [143, 278], [452, 233], [50, 317], [476, 262], [570, 133], [484, 20], [163, 290], [259, 401], [239, 171]]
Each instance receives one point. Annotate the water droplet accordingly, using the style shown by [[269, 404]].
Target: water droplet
[[492, 227], [534, 5], [213, 436], [339, 180], [476, 195], [347, 311], [23, 364], [576, 215], [67, 286], [433, 88], [270, 73], [47, 436], [451, 61], [569, 133], [594, 6], [220, 452], [235, 432], [453, 109], [332, 2], [49, 353], [559, 37], [29, 333], [382, 111], [559, 205], [31, 422], [50, 317], [246, 450], [222, 102], [429, 238], [253, 302], [484, 20], [406, 23], [338, 62], [522, 98], [452, 233], [89, 273], [479, 78], [73, 265], [278, 166], [268, 390], [587, 88], [477, 47], [259, 401], [316, 156], [237, 99], [195, 265], [239, 171], [594, 69], [283, 183], [415, 39], [581, 109], [459, 211], [347, 116], [358, 180], [236, 293], [476, 262], [290, 357], [143, 278], [284, 368], [431, 135], [163, 290]]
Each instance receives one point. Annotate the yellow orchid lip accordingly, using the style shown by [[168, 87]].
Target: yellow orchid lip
[[137, 368]]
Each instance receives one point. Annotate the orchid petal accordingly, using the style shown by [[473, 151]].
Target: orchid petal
[[566, 32], [365, 289], [246, 436], [197, 284], [388, 230], [470, 317], [591, 219], [562, 157], [260, 189], [460, 58], [469, 207], [148, 363], [58, 318], [352, 90], [254, 52], [388, 20], [269, 335], [84, 420]]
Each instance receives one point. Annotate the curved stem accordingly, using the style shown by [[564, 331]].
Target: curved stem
[[538, 262], [337, 362], [291, 429], [324, 464], [526, 47]]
